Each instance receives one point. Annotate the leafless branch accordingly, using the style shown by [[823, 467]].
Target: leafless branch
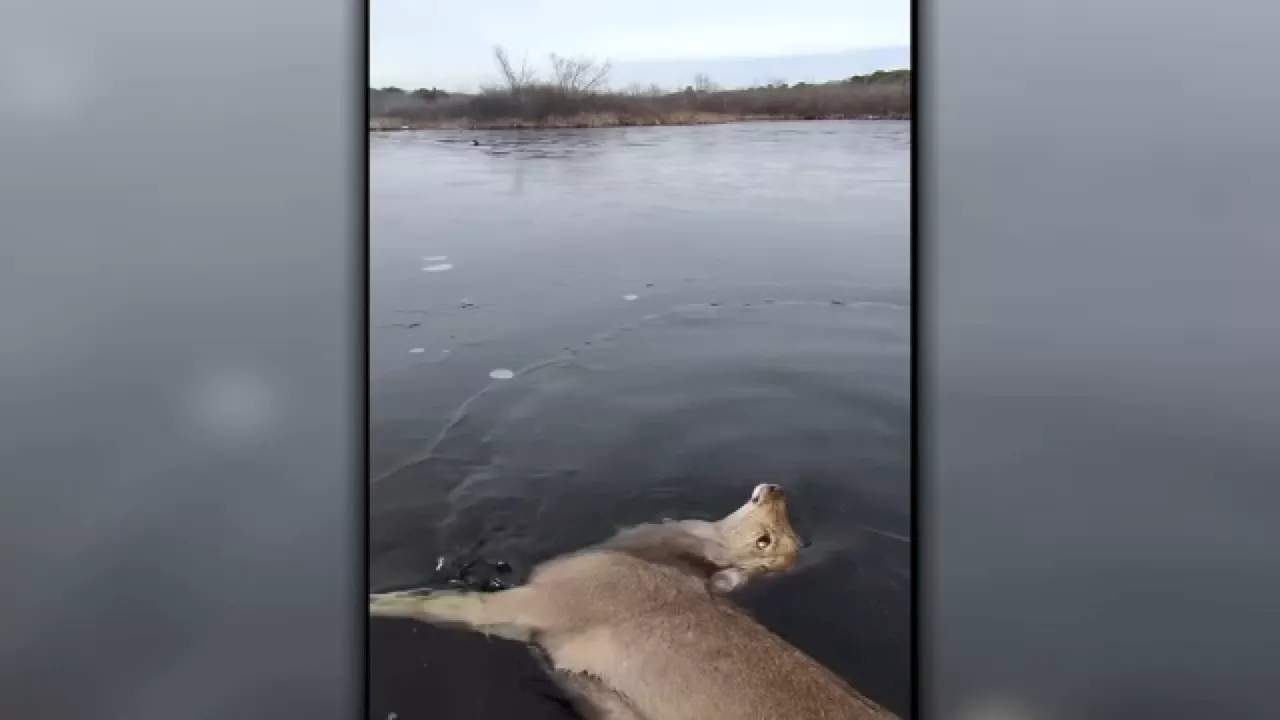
[[579, 76], [514, 79]]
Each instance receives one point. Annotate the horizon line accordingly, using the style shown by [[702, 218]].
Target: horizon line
[[710, 59]]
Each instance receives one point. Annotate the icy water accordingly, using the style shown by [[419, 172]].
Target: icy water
[[574, 331]]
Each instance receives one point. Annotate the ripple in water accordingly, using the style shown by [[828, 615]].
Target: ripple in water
[[679, 416]]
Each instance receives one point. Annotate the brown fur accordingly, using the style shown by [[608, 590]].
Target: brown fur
[[637, 627], [593, 699]]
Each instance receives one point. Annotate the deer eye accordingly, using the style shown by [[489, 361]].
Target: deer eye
[[762, 542]]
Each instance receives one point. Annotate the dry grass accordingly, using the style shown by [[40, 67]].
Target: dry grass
[[578, 120], [551, 106]]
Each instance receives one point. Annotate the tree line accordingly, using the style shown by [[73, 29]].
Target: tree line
[[574, 91]]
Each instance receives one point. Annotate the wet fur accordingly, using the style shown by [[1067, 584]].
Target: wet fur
[[593, 699], [638, 628]]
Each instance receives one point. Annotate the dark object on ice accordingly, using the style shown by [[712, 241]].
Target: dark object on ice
[[475, 574]]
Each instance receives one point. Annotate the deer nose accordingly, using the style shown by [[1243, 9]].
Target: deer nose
[[765, 490]]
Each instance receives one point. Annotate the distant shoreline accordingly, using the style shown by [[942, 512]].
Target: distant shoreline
[[567, 101], [590, 121]]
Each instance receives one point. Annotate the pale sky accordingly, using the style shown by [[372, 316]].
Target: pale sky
[[449, 44]]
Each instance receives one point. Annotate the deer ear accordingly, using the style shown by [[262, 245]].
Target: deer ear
[[728, 580]]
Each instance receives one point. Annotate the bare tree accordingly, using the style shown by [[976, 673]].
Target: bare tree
[[579, 76], [516, 79]]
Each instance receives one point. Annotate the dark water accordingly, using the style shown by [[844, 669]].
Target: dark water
[[768, 340]]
